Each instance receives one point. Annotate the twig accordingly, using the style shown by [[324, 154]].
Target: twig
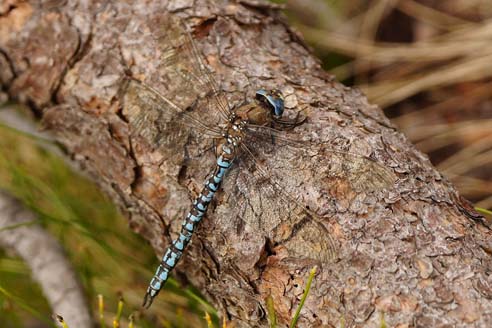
[[46, 259]]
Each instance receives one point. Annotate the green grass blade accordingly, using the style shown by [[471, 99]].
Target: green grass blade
[[131, 319], [97, 239], [483, 211], [117, 318], [60, 320], [272, 316], [100, 306], [17, 225], [303, 299], [207, 307], [383, 321], [26, 307]]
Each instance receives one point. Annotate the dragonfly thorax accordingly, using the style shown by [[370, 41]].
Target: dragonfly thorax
[[267, 107], [232, 137], [253, 113]]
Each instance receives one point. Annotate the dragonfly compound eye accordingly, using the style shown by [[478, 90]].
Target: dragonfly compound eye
[[273, 99]]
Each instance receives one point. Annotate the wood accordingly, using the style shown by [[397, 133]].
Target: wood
[[416, 252], [43, 254]]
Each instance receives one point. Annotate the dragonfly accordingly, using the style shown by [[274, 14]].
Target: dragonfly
[[256, 152]]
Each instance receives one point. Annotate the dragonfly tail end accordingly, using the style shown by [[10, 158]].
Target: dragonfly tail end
[[147, 301]]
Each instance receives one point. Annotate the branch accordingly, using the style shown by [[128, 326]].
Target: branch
[[48, 264], [415, 250]]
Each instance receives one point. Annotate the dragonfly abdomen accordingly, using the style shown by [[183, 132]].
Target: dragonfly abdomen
[[200, 204]]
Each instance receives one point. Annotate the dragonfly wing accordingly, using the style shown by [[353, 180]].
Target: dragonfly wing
[[203, 76], [264, 210], [363, 173], [179, 93], [157, 119], [288, 190], [183, 65]]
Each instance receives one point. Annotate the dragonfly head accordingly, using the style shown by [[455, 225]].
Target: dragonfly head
[[273, 100]]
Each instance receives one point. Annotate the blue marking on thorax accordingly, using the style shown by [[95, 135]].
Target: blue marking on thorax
[[226, 149]]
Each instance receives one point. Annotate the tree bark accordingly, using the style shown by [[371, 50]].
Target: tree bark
[[416, 252]]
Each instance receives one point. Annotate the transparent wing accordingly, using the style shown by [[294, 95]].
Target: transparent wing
[[362, 173], [185, 68], [279, 213], [180, 93], [204, 77], [272, 195], [157, 119]]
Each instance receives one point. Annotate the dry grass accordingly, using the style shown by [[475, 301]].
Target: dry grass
[[429, 68]]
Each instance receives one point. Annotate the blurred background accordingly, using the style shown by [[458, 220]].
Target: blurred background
[[428, 64]]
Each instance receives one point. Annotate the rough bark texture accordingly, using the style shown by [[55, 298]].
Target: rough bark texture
[[44, 256], [416, 252]]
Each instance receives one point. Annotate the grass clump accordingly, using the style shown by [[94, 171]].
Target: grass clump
[[109, 258]]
